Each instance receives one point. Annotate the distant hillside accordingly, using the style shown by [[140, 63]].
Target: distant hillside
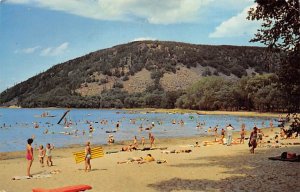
[[128, 71]]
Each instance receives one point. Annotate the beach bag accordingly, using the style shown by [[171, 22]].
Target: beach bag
[[249, 143]]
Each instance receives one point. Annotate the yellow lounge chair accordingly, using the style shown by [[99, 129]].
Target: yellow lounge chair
[[95, 153]]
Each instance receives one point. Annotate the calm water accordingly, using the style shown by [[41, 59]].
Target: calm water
[[17, 125]]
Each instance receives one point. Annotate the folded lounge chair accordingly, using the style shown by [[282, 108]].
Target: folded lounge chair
[[74, 188], [95, 153]]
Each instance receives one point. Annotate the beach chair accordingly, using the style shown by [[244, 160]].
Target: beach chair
[[96, 152], [74, 188]]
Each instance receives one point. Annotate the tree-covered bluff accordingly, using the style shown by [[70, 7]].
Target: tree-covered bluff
[[157, 74]]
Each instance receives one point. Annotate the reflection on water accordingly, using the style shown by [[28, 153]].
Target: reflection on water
[[17, 125]]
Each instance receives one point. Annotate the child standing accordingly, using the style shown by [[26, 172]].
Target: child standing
[[49, 154], [41, 155]]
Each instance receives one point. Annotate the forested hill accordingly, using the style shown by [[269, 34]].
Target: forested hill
[[136, 74]]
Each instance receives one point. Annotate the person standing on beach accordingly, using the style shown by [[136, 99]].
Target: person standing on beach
[[222, 135], [253, 140], [229, 130], [271, 125], [243, 133], [152, 139], [135, 143], [29, 155], [88, 156], [49, 149], [143, 141], [216, 132], [260, 135], [41, 155]]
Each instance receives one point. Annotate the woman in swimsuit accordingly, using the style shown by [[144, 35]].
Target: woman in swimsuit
[[88, 157], [29, 155], [253, 140]]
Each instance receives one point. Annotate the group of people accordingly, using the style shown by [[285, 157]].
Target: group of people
[[42, 153], [135, 145], [256, 136], [255, 140]]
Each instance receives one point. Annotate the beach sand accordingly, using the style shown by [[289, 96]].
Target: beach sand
[[207, 168]]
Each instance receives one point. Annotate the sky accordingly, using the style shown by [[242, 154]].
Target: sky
[[37, 34]]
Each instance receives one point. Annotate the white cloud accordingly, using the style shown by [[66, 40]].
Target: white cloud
[[17, 1], [236, 26], [144, 39], [54, 51], [31, 49], [152, 11], [28, 50]]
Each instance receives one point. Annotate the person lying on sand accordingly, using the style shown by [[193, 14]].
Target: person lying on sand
[[139, 160], [128, 148], [131, 160], [147, 159], [177, 151]]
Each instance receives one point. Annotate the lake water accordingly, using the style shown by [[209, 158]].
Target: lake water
[[17, 125]]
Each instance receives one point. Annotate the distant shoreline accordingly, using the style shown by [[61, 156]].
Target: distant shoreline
[[175, 110]]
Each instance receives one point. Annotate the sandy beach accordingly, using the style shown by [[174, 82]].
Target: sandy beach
[[214, 167]]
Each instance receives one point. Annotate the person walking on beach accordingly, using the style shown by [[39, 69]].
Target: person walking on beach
[[49, 149], [229, 130], [88, 156], [253, 140], [29, 155]]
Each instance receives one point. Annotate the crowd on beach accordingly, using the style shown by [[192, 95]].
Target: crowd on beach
[[290, 126]]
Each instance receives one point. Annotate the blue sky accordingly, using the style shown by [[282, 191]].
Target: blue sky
[[37, 34]]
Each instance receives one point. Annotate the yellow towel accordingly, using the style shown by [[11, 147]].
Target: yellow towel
[[95, 153]]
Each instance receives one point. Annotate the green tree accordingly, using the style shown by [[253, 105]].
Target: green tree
[[280, 31]]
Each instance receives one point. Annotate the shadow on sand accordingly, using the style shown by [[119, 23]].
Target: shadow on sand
[[248, 172]]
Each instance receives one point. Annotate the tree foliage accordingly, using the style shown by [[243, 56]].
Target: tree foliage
[[259, 92], [280, 31], [281, 24]]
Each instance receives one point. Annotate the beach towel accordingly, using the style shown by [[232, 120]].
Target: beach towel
[[74, 188], [95, 153], [37, 176], [110, 152]]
